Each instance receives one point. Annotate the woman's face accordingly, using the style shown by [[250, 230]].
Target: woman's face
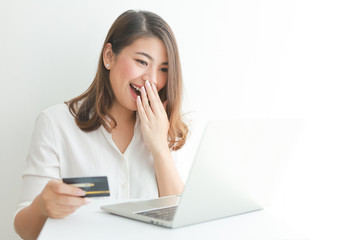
[[144, 59]]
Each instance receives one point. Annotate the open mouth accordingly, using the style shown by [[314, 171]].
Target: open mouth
[[135, 89]]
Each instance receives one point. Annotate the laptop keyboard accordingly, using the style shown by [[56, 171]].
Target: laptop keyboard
[[166, 214]]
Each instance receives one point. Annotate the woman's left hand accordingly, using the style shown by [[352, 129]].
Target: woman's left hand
[[153, 118]]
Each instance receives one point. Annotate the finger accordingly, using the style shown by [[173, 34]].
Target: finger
[[158, 99], [66, 200], [156, 92], [63, 188], [165, 104], [62, 206], [65, 209], [145, 103], [62, 211], [151, 94], [141, 111]]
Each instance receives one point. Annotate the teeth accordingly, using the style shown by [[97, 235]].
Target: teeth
[[135, 87]]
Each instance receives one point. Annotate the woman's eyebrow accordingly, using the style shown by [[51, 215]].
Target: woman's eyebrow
[[149, 57]]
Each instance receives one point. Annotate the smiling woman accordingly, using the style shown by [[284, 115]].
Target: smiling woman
[[126, 126], [133, 28], [132, 68]]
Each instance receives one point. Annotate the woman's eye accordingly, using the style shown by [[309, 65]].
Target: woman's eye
[[164, 70], [142, 62]]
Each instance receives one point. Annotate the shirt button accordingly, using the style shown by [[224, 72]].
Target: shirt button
[[124, 186]]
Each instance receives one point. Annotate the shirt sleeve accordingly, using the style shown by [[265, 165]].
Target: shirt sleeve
[[42, 163]]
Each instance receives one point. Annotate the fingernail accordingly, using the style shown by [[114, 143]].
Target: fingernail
[[87, 200], [138, 98], [143, 89], [147, 83], [81, 193]]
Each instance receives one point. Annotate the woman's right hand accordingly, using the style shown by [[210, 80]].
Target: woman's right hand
[[58, 199]]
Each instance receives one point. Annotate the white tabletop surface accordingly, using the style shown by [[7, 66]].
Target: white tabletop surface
[[90, 222]]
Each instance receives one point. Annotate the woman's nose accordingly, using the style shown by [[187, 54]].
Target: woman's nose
[[151, 78]]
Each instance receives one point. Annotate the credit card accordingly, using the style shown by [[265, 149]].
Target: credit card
[[93, 186]]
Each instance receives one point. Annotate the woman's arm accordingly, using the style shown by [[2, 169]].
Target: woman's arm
[[167, 176], [155, 127], [29, 221], [57, 200]]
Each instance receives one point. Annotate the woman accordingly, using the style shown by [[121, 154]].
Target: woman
[[126, 126]]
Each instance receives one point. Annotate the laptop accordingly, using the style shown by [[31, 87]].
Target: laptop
[[237, 169]]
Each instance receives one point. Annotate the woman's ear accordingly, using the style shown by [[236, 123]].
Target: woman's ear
[[108, 56]]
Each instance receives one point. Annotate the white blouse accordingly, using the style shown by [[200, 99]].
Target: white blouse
[[60, 149]]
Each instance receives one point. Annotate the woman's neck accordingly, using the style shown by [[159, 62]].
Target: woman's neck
[[123, 116]]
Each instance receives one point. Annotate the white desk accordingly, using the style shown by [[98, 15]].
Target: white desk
[[90, 222]]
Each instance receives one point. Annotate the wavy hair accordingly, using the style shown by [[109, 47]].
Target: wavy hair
[[92, 108]]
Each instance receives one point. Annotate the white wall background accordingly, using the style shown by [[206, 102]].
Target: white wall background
[[296, 58]]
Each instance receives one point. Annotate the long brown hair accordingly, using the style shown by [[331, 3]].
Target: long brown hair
[[92, 108]]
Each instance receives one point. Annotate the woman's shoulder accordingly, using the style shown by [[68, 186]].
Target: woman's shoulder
[[57, 114], [54, 121], [57, 111]]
